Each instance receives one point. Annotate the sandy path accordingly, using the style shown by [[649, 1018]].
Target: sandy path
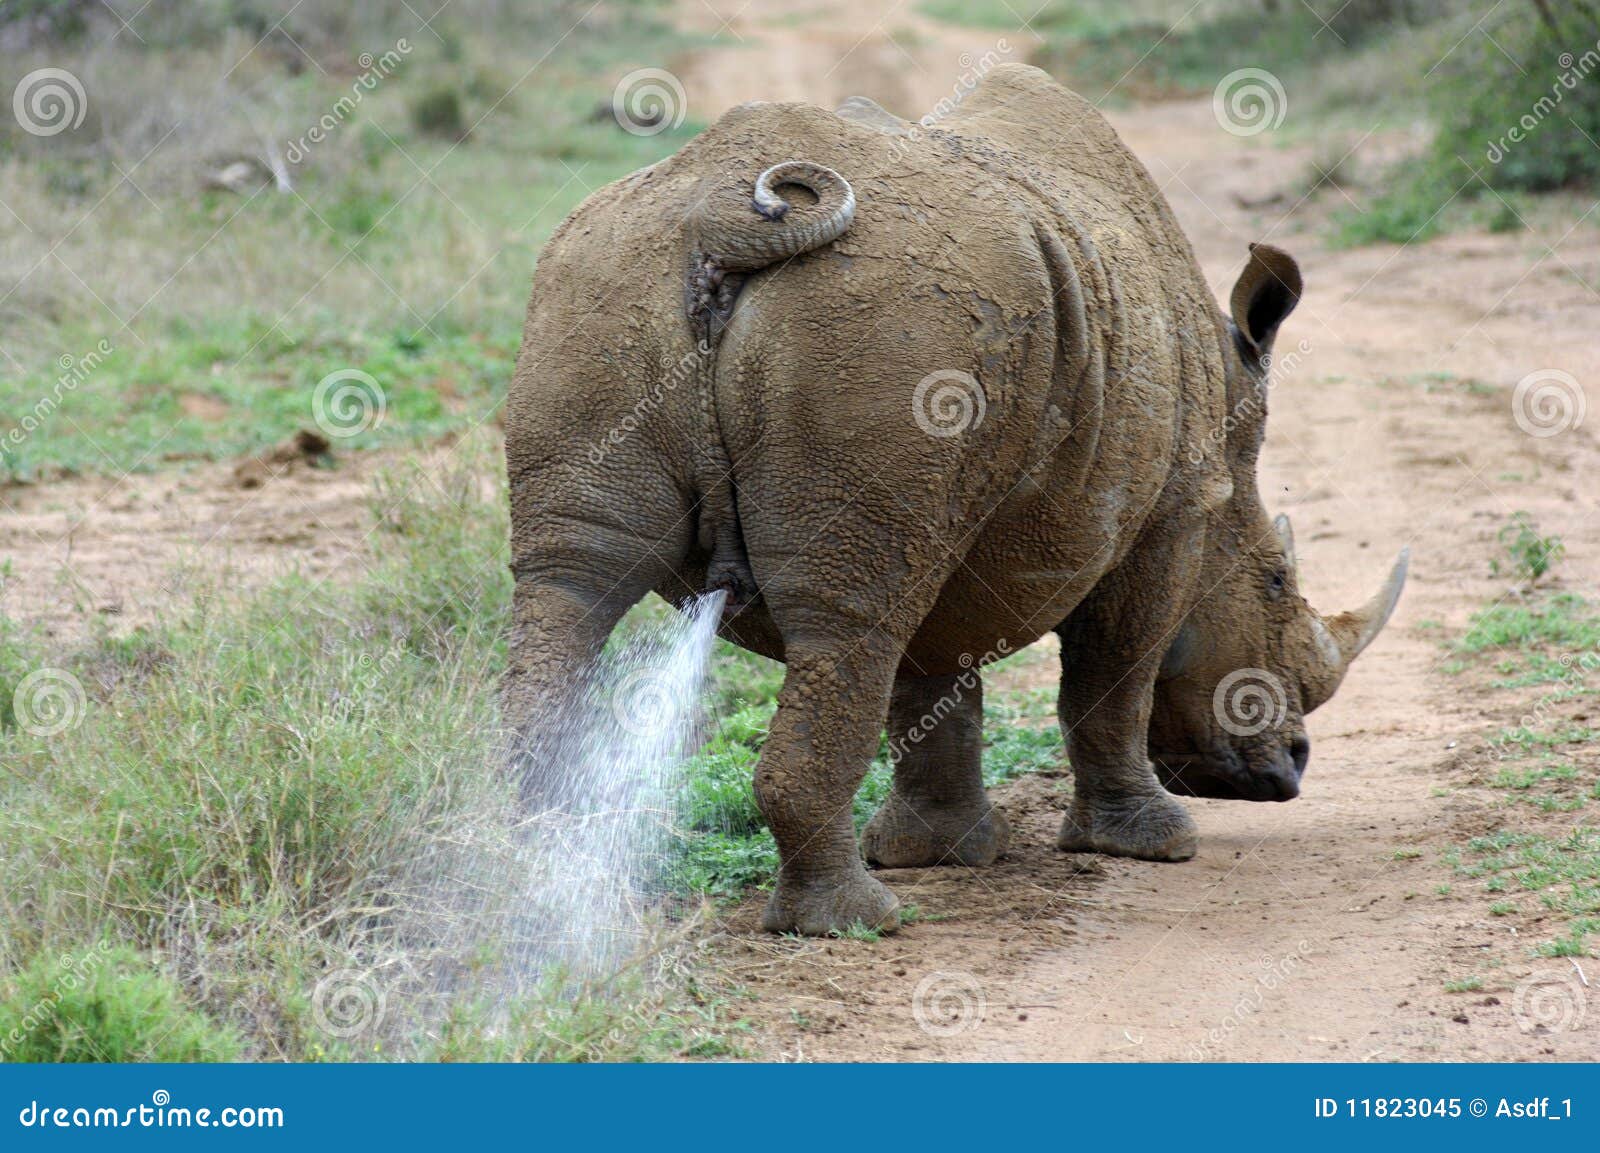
[[1302, 931]]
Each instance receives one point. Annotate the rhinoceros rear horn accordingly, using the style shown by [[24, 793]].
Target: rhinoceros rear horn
[[1354, 631], [776, 229], [1264, 295]]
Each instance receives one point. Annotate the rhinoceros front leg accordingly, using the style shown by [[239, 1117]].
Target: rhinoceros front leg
[[822, 739], [1111, 649], [937, 813]]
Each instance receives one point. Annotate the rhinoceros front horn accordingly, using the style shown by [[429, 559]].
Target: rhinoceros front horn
[[1354, 631]]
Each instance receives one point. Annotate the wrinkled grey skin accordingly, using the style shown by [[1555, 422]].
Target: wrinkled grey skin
[[1101, 485]]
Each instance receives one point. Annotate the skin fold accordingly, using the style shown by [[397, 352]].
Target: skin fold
[[1000, 402]]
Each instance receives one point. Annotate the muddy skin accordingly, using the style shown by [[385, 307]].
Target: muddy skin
[[1000, 403]]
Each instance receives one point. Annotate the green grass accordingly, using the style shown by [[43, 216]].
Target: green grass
[[402, 252], [724, 848], [243, 805], [1560, 871]]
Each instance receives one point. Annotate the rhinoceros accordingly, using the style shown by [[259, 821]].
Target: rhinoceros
[[914, 395]]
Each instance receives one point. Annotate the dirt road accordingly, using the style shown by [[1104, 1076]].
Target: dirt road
[[1317, 929]]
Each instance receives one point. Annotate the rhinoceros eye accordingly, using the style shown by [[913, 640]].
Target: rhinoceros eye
[[1277, 583]]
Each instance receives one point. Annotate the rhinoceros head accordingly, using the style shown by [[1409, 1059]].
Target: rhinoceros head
[[1253, 658]]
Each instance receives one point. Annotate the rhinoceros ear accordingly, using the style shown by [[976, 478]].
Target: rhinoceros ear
[[1265, 293]]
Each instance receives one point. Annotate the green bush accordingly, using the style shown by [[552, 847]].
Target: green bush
[[438, 112], [107, 1004], [1522, 103]]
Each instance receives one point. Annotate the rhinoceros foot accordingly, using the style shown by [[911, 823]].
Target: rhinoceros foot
[[904, 835], [818, 906], [1152, 828]]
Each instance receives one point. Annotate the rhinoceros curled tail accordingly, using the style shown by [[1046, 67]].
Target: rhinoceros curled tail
[[776, 229], [730, 244]]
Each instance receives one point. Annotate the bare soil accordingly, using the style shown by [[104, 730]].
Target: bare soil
[[1307, 931]]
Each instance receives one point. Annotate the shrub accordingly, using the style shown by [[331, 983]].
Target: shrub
[[107, 1004]]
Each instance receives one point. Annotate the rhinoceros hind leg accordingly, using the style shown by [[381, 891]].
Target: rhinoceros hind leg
[[937, 813], [822, 739]]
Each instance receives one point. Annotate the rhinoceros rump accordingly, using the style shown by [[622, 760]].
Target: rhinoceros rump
[[914, 396]]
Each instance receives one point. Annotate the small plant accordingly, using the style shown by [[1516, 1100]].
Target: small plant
[[438, 112], [110, 1004], [1528, 555], [1465, 985], [859, 932]]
